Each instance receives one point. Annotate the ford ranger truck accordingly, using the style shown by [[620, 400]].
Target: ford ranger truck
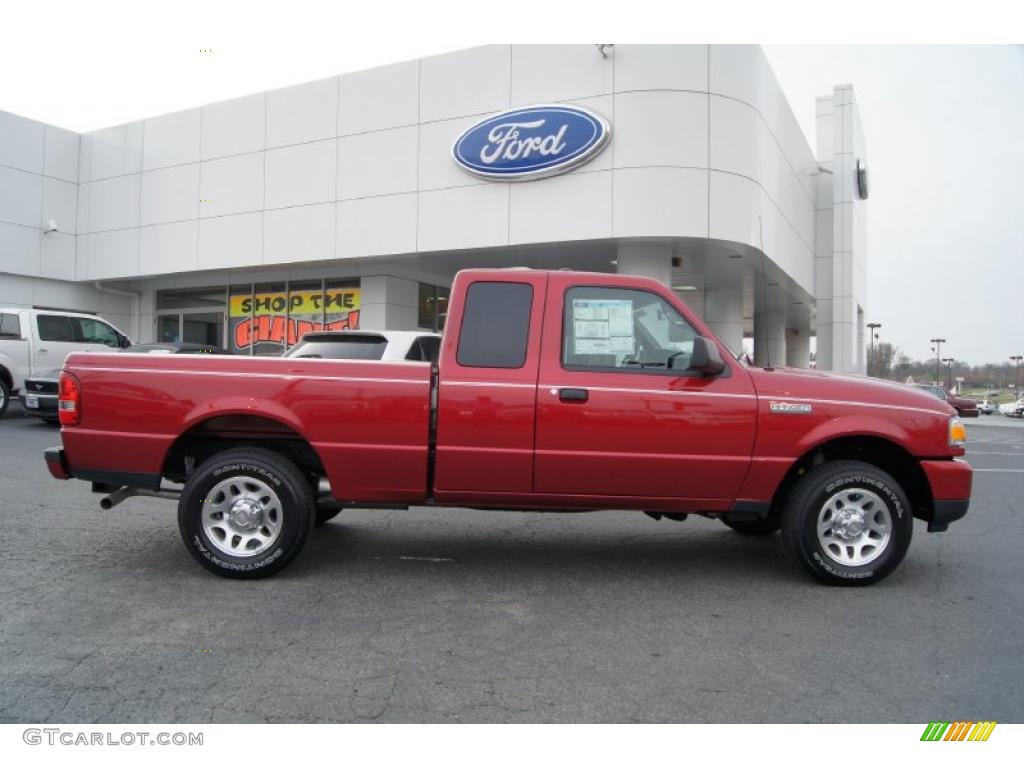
[[554, 391]]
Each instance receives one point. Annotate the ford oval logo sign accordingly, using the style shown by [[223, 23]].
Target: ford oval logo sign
[[531, 142]]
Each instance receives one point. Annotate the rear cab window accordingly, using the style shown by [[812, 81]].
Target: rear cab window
[[495, 325], [10, 326], [55, 328]]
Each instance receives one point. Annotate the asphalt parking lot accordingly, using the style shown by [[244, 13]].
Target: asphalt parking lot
[[455, 616]]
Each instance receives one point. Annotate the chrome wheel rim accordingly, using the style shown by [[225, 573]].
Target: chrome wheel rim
[[854, 527], [242, 516]]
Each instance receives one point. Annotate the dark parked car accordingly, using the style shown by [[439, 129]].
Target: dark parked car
[[177, 348], [39, 396], [964, 408]]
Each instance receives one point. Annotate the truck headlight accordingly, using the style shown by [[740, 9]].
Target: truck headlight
[[957, 433]]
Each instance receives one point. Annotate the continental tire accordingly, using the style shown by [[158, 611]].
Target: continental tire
[[245, 513], [764, 527], [847, 523]]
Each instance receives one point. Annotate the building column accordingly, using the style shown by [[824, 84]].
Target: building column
[[388, 303], [798, 346], [647, 260], [769, 337], [723, 300]]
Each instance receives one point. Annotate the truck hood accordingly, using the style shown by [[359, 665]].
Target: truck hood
[[803, 383]]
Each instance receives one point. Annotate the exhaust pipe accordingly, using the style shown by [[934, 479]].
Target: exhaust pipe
[[111, 501]]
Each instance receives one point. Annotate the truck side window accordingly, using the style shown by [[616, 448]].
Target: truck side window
[[10, 327], [495, 325], [55, 328], [624, 330], [94, 331], [425, 349]]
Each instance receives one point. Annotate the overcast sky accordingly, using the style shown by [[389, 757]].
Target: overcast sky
[[944, 125]]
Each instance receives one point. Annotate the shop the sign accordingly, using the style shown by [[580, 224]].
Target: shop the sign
[[531, 142], [282, 318]]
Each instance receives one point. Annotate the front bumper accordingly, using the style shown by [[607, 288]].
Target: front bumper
[[950, 482]]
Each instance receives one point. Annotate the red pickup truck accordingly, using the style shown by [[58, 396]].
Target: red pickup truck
[[555, 391]]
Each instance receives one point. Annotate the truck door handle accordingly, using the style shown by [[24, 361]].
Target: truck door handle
[[42, 350], [572, 395]]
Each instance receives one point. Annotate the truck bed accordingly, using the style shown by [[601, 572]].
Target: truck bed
[[367, 420]]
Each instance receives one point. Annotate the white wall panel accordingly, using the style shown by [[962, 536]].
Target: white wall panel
[[61, 155], [581, 73], [113, 254], [231, 185], [231, 241], [302, 113], [378, 163], [21, 143], [661, 201], [19, 248], [169, 248], [576, 206], [661, 128], [170, 194], [60, 203], [374, 225], [465, 83], [652, 67], [384, 97], [463, 217], [21, 197], [116, 151], [302, 174], [57, 256], [114, 203], [234, 127], [305, 233], [172, 139]]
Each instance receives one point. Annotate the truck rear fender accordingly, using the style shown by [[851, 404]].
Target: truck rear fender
[[238, 421]]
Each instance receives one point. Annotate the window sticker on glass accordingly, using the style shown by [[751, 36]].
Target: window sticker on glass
[[603, 326]]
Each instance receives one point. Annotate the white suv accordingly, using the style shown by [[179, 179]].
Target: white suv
[[33, 341]]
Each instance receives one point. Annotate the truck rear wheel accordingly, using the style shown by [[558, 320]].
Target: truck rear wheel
[[245, 513], [848, 523]]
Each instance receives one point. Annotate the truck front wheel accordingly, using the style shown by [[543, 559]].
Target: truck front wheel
[[848, 523], [245, 513]]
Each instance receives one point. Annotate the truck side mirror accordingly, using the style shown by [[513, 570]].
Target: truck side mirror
[[123, 341], [706, 358]]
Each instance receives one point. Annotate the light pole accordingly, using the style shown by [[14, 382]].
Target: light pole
[[937, 349], [1017, 359], [872, 328], [949, 368]]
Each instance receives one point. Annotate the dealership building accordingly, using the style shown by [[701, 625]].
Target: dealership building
[[348, 202]]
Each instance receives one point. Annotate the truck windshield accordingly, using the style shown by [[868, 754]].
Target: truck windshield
[[352, 348]]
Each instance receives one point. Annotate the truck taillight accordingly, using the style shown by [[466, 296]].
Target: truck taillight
[[69, 401]]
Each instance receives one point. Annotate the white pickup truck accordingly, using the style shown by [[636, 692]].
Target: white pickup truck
[[37, 340]]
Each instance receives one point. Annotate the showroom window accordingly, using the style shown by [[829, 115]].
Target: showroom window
[[433, 310], [260, 319]]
